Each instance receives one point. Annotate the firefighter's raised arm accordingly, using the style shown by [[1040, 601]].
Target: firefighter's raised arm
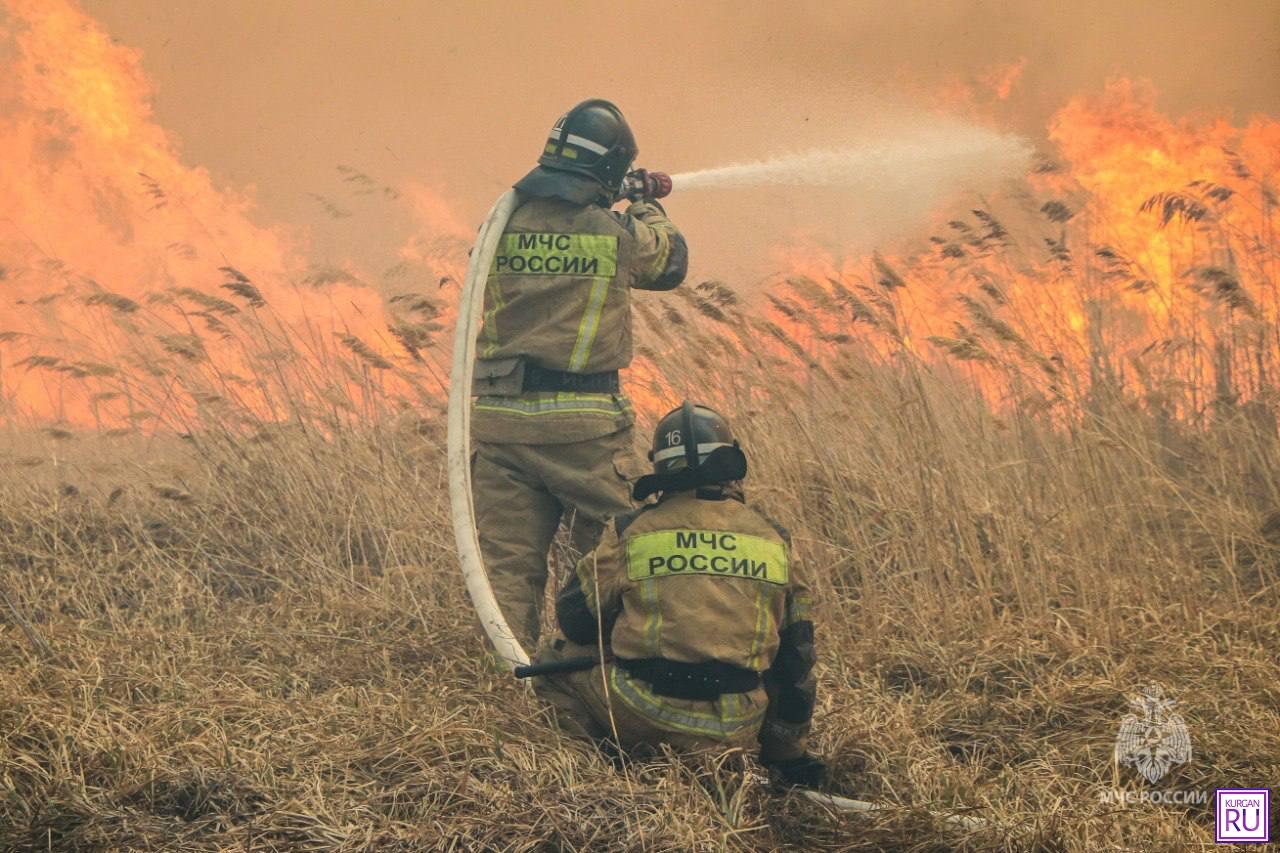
[[659, 251]]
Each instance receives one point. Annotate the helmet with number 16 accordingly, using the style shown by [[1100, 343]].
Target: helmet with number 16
[[686, 435]]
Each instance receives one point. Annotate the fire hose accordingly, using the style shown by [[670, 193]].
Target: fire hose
[[461, 504], [461, 501]]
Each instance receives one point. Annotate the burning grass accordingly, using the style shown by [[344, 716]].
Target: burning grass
[[256, 639]]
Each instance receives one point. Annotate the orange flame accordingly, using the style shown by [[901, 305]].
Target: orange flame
[[1147, 261], [1144, 258], [108, 240]]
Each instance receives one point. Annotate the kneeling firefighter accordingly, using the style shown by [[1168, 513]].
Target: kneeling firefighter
[[551, 429], [704, 622]]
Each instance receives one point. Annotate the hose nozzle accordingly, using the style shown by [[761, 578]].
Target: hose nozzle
[[642, 183]]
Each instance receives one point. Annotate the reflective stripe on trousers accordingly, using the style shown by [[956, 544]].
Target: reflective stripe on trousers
[[736, 710]]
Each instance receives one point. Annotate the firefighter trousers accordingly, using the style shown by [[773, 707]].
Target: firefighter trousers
[[522, 492], [595, 704]]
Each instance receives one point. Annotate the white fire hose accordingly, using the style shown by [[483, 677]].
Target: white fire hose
[[462, 506]]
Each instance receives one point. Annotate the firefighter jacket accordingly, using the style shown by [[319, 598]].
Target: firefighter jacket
[[701, 580], [559, 298]]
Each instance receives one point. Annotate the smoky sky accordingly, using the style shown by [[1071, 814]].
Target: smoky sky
[[458, 96]]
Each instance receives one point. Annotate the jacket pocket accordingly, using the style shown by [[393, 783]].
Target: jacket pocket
[[627, 465], [498, 377]]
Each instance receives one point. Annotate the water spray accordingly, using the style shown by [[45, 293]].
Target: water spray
[[944, 154]]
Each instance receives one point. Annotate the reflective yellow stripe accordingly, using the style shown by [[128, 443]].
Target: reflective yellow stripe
[[582, 410], [494, 291], [664, 251], [563, 402], [589, 325], [734, 711], [763, 618], [546, 253], [653, 620], [799, 608], [706, 553]]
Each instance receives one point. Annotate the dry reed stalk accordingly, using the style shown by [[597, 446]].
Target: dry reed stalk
[[37, 642]]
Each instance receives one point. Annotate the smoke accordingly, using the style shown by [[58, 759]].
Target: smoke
[[459, 97]]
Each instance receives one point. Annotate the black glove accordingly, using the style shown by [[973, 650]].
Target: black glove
[[805, 771]]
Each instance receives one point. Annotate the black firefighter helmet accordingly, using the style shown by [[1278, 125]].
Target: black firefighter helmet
[[592, 139], [692, 447]]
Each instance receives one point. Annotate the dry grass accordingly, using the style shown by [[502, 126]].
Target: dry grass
[[265, 645], [252, 635]]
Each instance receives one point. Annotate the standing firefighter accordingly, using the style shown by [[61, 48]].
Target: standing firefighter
[[704, 620], [550, 425]]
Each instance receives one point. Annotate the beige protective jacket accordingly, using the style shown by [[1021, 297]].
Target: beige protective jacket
[[697, 580], [559, 297]]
